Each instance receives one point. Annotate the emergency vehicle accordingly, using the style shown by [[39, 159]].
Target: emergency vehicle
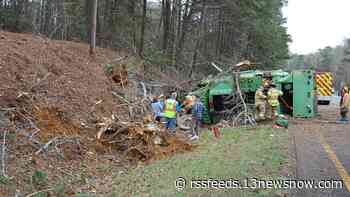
[[324, 84]]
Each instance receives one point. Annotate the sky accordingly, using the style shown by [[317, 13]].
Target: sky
[[315, 24]]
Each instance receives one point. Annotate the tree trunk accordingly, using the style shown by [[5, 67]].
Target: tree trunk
[[47, 16], [161, 16], [18, 10], [166, 25], [200, 33], [219, 35], [93, 26], [143, 24], [61, 20], [131, 10], [186, 20]]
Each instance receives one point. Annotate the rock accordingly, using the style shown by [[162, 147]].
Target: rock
[[157, 140]]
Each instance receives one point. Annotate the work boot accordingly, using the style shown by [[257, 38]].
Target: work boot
[[195, 137], [343, 120]]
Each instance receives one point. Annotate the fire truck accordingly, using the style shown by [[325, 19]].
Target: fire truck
[[324, 84]]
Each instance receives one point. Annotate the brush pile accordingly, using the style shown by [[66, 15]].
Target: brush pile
[[139, 141]]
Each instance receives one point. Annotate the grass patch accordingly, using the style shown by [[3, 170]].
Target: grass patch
[[238, 154], [84, 195], [39, 179], [4, 180]]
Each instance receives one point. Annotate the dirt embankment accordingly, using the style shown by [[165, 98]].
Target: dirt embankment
[[55, 73], [53, 97], [53, 88]]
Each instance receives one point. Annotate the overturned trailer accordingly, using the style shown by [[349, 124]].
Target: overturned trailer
[[221, 101]]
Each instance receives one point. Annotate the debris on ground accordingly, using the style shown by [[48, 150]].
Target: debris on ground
[[281, 122], [139, 141], [55, 73], [184, 121], [53, 97], [224, 124]]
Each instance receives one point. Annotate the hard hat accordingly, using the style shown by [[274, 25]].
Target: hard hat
[[266, 83]]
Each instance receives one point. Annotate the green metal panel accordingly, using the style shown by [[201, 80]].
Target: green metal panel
[[222, 85], [221, 88], [279, 75], [206, 116], [250, 82], [286, 79], [303, 94]]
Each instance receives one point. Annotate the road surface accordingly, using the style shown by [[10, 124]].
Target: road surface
[[321, 153]]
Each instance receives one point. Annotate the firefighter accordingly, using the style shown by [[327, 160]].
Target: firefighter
[[344, 104], [260, 101], [272, 97]]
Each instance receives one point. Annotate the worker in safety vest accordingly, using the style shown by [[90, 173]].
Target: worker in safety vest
[[170, 112], [260, 101], [272, 97], [344, 104]]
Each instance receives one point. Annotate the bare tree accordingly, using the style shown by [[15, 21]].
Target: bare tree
[[93, 26], [143, 24]]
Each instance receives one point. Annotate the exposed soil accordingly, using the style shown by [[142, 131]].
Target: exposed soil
[[54, 93], [56, 73]]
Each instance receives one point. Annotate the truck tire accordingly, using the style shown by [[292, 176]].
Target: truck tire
[[184, 122]]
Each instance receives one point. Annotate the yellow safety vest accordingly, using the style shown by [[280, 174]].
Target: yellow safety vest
[[273, 95], [170, 108]]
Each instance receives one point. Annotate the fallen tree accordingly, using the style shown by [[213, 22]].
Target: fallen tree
[[139, 141]]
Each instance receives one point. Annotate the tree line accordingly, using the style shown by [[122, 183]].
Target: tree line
[[185, 35], [329, 59]]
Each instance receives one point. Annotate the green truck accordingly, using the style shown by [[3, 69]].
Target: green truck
[[298, 100]]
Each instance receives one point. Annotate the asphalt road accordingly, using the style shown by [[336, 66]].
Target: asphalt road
[[322, 153]]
